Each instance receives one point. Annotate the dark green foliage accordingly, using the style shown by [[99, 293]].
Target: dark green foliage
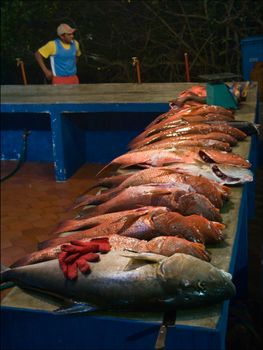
[[156, 31]]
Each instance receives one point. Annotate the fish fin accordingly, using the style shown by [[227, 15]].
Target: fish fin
[[151, 257], [111, 167], [67, 233], [160, 192], [74, 308], [129, 220], [4, 268], [125, 166]]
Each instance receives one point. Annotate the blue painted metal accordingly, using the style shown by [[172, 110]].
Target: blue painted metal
[[84, 107], [72, 145], [43, 330], [39, 141], [252, 52], [239, 258]]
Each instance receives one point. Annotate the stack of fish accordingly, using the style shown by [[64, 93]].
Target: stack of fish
[[159, 211]]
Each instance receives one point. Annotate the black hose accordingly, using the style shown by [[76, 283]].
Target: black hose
[[22, 158]]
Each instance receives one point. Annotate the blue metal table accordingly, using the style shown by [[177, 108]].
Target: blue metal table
[[36, 327], [58, 135]]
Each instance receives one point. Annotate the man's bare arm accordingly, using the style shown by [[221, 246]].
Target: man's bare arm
[[40, 61]]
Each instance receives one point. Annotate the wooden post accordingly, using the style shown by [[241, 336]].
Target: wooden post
[[136, 62], [21, 64], [187, 72]]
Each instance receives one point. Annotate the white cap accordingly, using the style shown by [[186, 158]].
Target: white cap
[[65, 29]]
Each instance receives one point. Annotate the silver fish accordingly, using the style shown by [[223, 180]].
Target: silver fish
[[123, 280]]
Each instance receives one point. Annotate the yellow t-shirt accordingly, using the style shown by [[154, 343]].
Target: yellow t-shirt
[[50, 48]]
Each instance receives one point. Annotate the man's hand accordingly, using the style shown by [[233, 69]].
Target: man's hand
[[40, 61], [48, 74]]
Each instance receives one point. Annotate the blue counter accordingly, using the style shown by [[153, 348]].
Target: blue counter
[[73, 125], [30, 318]]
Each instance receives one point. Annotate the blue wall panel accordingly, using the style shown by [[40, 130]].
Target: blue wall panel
[[39, 141], [91, 137]]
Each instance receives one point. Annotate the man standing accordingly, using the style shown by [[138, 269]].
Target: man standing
[[63, 53]]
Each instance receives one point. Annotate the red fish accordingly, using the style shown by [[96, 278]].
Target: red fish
[[212, 190], [167, 175], [193, 128], [192, 111], [173, 122], [188, 226], [164, 245], [194, 142], [174, 199], [199, 90], [159, 158], [86, 223], [174, 140], [220, 136], [105, 229]]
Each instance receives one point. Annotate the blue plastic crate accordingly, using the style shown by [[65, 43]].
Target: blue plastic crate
[[252, 52]]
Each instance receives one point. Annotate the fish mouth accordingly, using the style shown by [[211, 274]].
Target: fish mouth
[[205, 157], [245, 174], [219, 173]]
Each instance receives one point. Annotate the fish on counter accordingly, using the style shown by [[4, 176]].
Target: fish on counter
[[194, 228], [211, 232], [232, 131], [192, 128], [192, 111], [118, 281], [178, 124], [248, 128], [213, 191], [157, 158], [185, 143], [221, 173], [159, 139], [87, 223], [150, 195], [164, 245], [144, 229]]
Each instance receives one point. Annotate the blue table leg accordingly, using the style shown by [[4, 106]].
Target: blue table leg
[[239, 260], [68, 145]]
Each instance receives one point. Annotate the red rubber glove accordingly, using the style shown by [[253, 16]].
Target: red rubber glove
[[76, 256]]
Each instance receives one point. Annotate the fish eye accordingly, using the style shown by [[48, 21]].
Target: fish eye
[[201, 285]]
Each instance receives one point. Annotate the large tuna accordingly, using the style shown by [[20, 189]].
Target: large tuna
[[136, 281]]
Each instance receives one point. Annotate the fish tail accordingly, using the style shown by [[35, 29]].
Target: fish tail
[[25, 260], [103, 170], [4, 268], [49, 243], [97, 198], [5, 277], [89, 199], [98, 183], [64, 226]]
